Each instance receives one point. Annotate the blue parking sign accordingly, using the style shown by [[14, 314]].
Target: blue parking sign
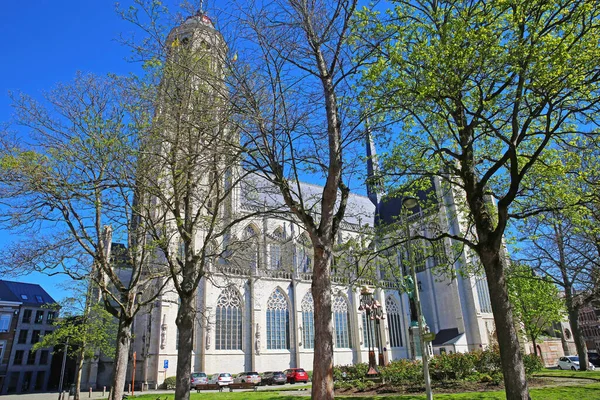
[[166, 364]]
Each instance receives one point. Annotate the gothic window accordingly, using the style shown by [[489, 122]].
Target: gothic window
[[483, 293], [341, 322], [228, 321], [394, 317], [369, 335], [308, 321], [278, 321], [305, 254], [275, 250], [251, 238]]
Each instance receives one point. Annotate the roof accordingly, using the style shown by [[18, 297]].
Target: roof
[[26, 293], [445, 336], [258, 192]]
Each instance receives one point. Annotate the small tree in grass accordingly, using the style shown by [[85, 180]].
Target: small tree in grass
[[536, 300]]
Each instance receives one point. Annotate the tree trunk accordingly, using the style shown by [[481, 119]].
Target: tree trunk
[[185, 324], [80, 360], [322, 388], [578, 338], [535, 350], [121, 359], [508, 340]]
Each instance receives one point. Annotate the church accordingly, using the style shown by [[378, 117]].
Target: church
[[258, 315]]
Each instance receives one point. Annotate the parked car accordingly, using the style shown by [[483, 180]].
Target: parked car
[[248, 377], [274, 378], [198, 378], [594, 358], [296, 375], [221, 379], [571, 362]]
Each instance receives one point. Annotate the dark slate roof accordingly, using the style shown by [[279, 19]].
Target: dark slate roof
[[445, 335], [26, 293]]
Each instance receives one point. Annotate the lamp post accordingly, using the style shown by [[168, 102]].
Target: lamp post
[[408, 203], [374, 313], [62, 372]]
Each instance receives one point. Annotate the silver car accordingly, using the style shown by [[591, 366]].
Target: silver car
[[572, 363], [198, 378], [221, 379]]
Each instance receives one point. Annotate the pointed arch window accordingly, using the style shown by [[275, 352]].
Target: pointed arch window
[[369, 335], [228, 321], [308, 321], [394, 325], [251, 238], [275, 250], [341, 322], [278, 321], [305, 254]]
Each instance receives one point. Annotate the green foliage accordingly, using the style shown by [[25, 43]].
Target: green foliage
[[403, 372], [170, 383], [532, 364], [536, 301], [96, 332], [453, 366]]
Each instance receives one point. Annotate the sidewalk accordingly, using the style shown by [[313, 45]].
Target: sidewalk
[[54, 396]]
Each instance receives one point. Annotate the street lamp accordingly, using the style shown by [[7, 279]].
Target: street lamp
[[374, 314], [408, 203], [62, 371]]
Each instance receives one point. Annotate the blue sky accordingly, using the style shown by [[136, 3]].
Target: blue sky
[[45, 42]]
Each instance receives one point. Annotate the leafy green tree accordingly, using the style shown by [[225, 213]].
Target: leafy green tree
[[536, 300], [85, 335], [480, 91]]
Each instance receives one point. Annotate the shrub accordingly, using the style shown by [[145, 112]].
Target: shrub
[[532, 364], [452, 366], [487, 361], [403, 371], [169, 383], [353, 372]]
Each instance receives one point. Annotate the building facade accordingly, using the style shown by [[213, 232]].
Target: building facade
[[25, 317]]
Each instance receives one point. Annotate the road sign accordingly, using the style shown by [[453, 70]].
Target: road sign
[[166, 364], [429, 337]]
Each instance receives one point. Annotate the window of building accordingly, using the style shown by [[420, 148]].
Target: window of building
[[31, 357], [305, 254], [39, 317], [308, 321], [35, 337], [5, 322], [341, 322], [39, 299], [44, 355], [2, 347], [251, 251], [23, 336], [24, 297], [39, 380], [483, 293], [369, 335], [51, 316], [275, 256], [278, 321], [12, 382], [18, 360], [26, 384], [394, 317], [26, 316], [228, 332], [47, 333]]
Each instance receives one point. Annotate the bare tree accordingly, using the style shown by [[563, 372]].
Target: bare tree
[[67, 183], [298, 116]]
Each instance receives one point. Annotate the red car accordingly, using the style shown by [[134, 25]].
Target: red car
[[296, 375]]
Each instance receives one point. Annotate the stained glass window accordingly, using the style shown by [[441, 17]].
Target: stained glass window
[[229, 321], [308, 321], [394, 322], [278, 321], [341, 322]]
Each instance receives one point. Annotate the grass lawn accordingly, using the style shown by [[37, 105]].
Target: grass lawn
[[584, 392]]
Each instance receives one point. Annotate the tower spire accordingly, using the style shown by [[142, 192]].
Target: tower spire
[[373, 189]]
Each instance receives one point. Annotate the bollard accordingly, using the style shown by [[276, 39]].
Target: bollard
[[90, 392], [103, 391], [129, 391]]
